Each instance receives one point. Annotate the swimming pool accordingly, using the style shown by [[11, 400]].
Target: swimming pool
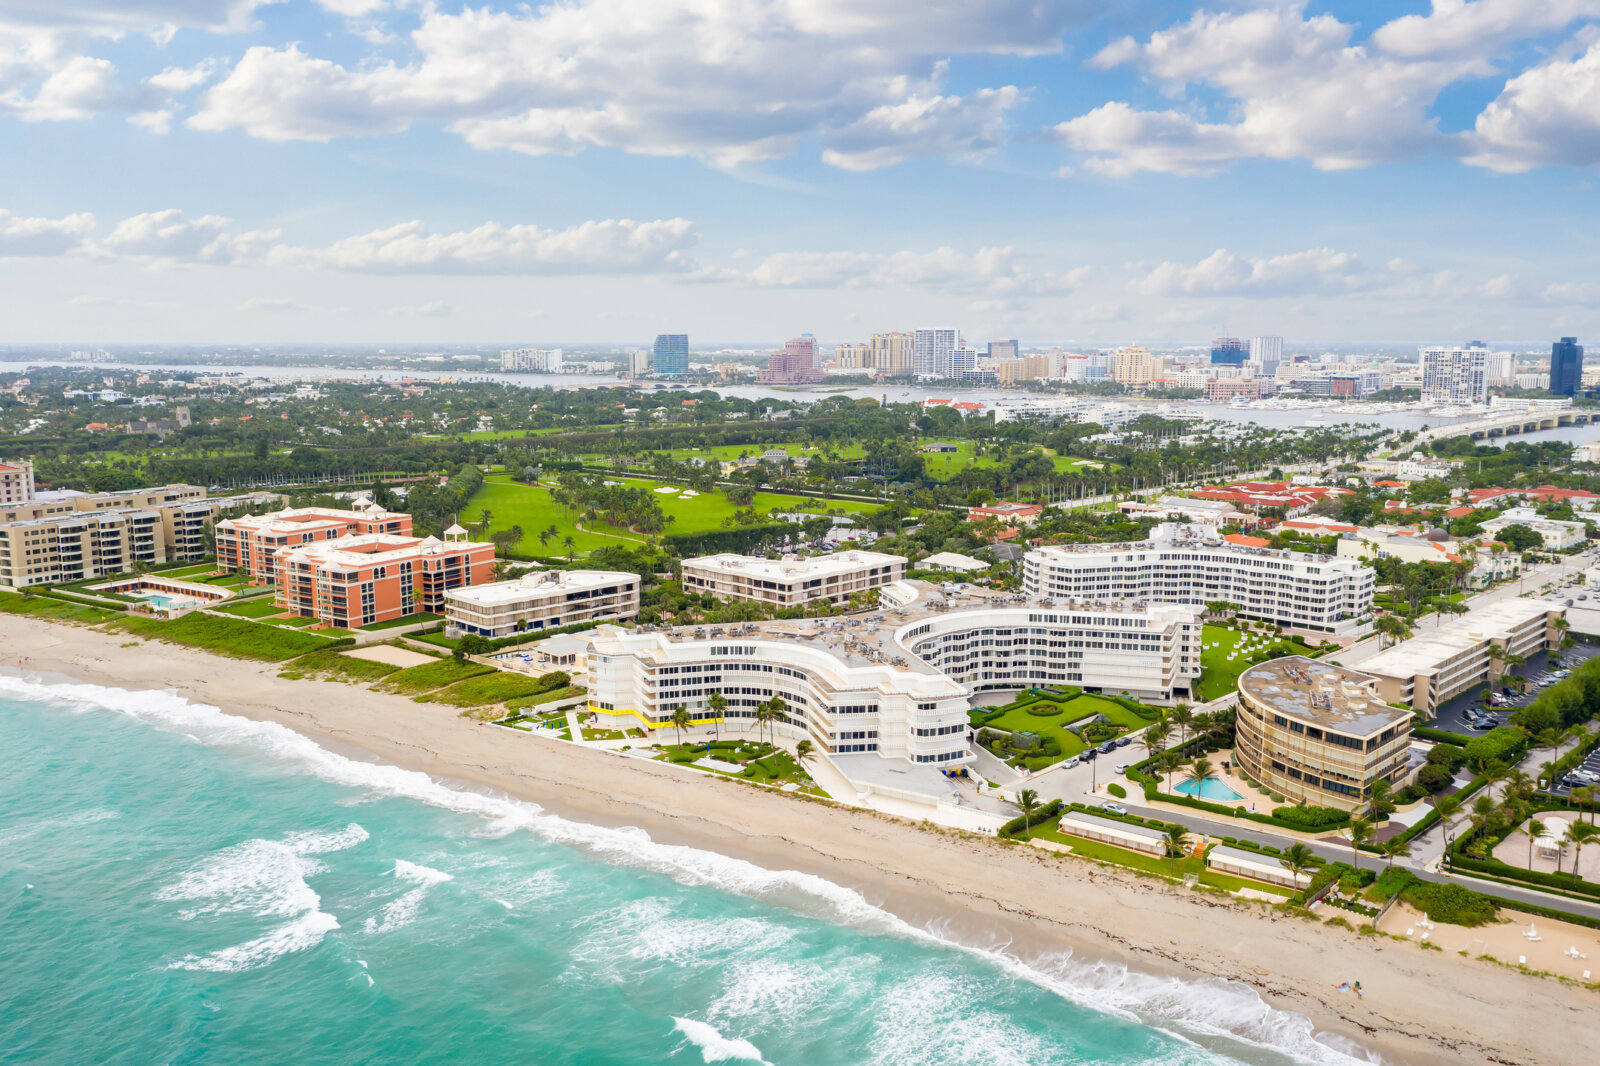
[[165, 602], [1212, 788]]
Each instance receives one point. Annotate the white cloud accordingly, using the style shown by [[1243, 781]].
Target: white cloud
[[612, 246], [1297, 88], [167, 234], [1586, 293], [1222, 273], [954, 126], [992, 270], [42, 236], [728, 81], [432, 309], [1548, 115], [1458, 28], [353, 8], [272, 305]]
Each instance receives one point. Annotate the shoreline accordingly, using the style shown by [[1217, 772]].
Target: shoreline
[[1421, 1007]]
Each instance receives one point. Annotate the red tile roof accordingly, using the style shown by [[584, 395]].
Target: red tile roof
[[1248, 542]]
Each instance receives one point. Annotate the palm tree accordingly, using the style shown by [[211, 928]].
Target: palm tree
[[1394, 848], [1177, 842], [1170, 762], [802, 750], [1380, 800], [1549, 738], [1580, 833], [1448, 807], [680, 718], [1028, 802], [1535, 831], [717, 704], [569, 544], [1297, 860], [1181, 716], [1199, 770], [1360, 833]]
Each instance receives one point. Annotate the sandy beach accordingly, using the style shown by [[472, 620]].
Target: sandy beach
[[1420, 1006]]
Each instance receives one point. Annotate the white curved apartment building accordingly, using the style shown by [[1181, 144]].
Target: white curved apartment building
[[893, 683], [1190, 564]]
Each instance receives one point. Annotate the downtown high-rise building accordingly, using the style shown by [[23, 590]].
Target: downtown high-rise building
[[931, 351], [1566, 366], [1267, 354], [1502, 370], [793, 364], [1229, 351], [671, 354], [1455, 375], [1003, 349]]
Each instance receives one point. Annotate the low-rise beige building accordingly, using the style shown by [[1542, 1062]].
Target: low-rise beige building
[[792, 581], [62, 548], [1318, 734], [546, 600], [1465, 651]]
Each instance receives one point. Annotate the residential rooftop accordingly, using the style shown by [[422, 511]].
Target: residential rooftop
[[792, 566], [1435, 644], [1319, 693], [517, 590]]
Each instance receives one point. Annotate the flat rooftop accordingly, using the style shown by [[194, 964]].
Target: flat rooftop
[[1433, 646], [1319, 693], [1186, 535], [532, 586], [791, 567]]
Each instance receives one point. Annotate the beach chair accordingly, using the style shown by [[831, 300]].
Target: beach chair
[[1409, 931], [1425, 937], [1522, 960]]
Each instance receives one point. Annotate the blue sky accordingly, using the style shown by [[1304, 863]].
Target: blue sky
[[602, 170]]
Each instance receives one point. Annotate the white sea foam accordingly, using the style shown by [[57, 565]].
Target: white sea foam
[[402, 910], [266, 878], [774, 991], [20, 834], [303, 932], [714, 1047], [1206, 1006]]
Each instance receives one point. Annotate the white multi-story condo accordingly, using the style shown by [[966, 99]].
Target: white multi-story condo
[[536, 360], [792, 581], [1194, 565], [1267, 354], [931, 351], [891, 685], [1455, 375], [541, 601]]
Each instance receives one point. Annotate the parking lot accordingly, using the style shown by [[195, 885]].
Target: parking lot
[[1590, 765], [1452, 717]]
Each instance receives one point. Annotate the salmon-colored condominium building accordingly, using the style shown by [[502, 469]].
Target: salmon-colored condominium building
[[252, 543], [364, 578]]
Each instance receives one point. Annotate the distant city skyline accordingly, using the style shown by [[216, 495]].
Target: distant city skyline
[[386, 170]]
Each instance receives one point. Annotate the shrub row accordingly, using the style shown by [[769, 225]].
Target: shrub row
[[1024, 821], [1450, 903], [1440, 736], [1506, 871]]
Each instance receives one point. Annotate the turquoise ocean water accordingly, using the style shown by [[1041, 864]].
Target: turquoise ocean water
[[179, 885]]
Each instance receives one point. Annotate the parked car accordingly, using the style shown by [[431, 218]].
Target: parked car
[[1088, 756], [1123, 742], [1114, 808], [1070, 763], [1108, 747], [1122, 767]]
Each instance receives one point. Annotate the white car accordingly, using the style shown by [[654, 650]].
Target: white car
[[1114, 808]]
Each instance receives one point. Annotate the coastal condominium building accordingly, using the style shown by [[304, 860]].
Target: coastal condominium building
[[364, 578], [535, 360], [1455, 375], [1194, 564], [16, 480], [791, 581], [884, 695], [76, 545], [545, 600], [252, 543], [893, 353], [1318, 734], [670, 355], [183, 511], [856, 356], [1463, 652], [932, 350]]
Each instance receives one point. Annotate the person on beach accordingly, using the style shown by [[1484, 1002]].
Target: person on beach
[[1358, 991]]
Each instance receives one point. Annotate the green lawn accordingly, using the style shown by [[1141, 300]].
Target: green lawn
[[485, 689], [236, 637], [1176, 869], [1020, 719], [54, 610], [433, 675], [1218, 674], [260, 607], [531, 507], [406, 620], [565, 692], [942, 466]]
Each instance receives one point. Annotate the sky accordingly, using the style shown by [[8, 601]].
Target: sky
[[599, 171]]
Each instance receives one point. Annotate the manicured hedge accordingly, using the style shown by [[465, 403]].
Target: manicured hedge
[[1439, 736], [1502, 744], [1023, 821], [1310, 819], [1117, 791]]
